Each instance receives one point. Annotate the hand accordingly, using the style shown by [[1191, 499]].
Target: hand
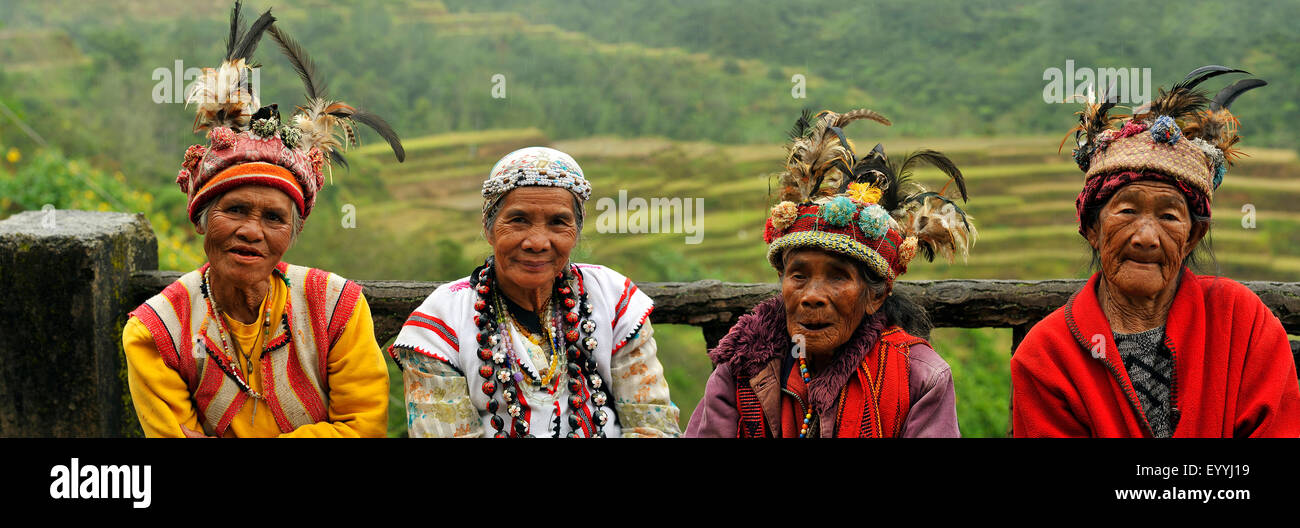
[[193, 434]]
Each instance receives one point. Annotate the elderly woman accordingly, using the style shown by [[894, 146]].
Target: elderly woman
[[248, 345], [531, 344], [1147, 348], [830, 357]]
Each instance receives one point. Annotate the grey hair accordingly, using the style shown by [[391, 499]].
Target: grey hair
[[293, 213], [490, 217]]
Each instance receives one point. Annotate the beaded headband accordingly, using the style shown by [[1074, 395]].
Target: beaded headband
[[534, 167]]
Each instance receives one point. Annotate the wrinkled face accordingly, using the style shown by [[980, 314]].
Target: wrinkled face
[[1143, 234], [249, 229], [532, 235], [825, 298]]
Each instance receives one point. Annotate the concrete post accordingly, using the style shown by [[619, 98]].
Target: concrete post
[[65, 291]]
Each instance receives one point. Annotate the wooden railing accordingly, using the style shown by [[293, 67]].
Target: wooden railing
[[68, 279], [714, 306]]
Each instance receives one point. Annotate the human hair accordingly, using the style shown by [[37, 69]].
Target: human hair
[[296, 218]]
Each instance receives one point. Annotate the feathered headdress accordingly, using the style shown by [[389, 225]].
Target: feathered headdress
[[1182, 134], [248, 143], [865, 207]]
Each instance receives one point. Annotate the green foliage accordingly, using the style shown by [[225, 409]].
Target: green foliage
[[48, 178], [981, 361]]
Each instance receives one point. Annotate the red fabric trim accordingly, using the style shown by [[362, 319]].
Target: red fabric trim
[[211, 380], [268, 386], [432, 328], [303, 389], [628, 338], [161, 338], [623, 300], [422, 351], [343, 312], [177, 295], [316, 289], [229, 415]]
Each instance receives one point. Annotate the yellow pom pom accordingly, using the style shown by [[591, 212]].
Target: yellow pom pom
[[865, 193]]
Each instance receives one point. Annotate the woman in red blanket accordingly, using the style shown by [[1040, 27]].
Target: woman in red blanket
[[1147, 348]]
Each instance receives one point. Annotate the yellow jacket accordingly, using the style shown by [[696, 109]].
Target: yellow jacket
[[356, 373]]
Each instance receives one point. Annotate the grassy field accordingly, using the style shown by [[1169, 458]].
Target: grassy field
[[1022, 199]]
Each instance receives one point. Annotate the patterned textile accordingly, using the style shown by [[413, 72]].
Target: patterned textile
[[810, 229], [1140, 152], [1150, 367], [534, 166], [440, 400], [271, 163], [1098, 191], [294, 373]]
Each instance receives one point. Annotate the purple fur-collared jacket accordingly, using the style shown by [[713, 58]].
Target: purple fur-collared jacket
[[755, 347]]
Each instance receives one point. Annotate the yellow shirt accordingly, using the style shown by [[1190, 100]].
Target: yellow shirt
[[357, 378]]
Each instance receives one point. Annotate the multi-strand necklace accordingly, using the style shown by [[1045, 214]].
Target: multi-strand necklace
[[502, 371], [222, 357]]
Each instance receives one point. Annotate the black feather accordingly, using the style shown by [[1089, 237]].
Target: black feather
[[384, 129], [248, 42], [1200, 75], [937, 159], [301, 62], [1226, 96], [802, 126], [337, 158], [236, 22]]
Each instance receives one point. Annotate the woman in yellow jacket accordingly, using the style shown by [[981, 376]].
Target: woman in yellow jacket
[[248, 345]]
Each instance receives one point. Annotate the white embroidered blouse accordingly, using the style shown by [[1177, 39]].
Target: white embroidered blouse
[[438, 353]]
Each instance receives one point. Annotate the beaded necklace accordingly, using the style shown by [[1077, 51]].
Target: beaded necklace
[[807, 380], [222, 357], [548, 346], [493, 337]]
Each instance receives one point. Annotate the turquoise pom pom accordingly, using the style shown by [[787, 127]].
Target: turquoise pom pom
[[838, 212], [1220, 170], [874, 221]]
